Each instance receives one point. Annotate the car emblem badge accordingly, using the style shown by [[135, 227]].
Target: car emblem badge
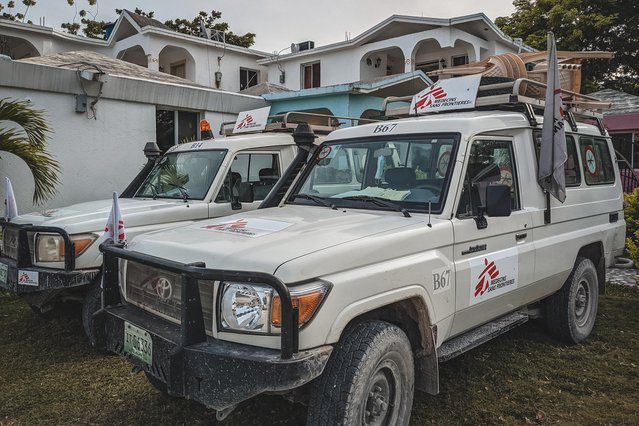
[[163, 288]]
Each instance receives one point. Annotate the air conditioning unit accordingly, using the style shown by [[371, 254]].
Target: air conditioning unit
[[306, 45]]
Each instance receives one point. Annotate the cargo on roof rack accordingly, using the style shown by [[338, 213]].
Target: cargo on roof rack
[[508, 94], [320, 123]]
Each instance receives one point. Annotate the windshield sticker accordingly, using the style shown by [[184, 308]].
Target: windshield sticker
[[248, 227], [491, 276], [28, 278], [325, 152], [591, 162]]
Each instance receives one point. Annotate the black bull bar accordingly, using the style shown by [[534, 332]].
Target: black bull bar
[[192, 325]]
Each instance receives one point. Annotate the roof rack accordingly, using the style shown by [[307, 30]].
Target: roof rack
[[508, 95], [320, 123]]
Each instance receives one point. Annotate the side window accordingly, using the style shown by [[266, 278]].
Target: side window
[[597, 161], [261, 171], [491, 162], [571, 168]]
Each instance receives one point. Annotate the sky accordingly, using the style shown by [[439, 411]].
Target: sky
[[278, 23]]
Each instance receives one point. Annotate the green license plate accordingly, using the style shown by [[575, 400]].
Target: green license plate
[[138, 343]]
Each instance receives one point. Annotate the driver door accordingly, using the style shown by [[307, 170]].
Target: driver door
[[493, 263]]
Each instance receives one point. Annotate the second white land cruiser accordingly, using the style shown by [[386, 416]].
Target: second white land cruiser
[[53, 255], [399, 246]]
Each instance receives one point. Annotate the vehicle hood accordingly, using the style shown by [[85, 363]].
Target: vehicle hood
[[92, 216], [263, 240]]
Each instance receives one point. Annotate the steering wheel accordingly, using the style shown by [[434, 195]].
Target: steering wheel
[[432, 188]]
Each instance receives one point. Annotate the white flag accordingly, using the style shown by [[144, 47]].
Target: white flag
[[10, 205], [115, 223], [553, 141]]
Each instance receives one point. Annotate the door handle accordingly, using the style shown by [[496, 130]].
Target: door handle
[[522, 236]]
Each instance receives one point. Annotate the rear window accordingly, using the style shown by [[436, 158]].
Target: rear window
[[597, 161]]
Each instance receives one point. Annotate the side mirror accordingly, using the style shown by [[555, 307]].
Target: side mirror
[[241, 193], [498, 200], [247, 193]]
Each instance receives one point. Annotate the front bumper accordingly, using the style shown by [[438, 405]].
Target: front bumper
[[215, 373], [33, 279], [19, 275]]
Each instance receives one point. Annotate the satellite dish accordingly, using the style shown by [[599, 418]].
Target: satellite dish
[[294, 48]]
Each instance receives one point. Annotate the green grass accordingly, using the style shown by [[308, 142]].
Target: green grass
[[50, 375]]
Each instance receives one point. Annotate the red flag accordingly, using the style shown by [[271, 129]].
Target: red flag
[[115, 223]]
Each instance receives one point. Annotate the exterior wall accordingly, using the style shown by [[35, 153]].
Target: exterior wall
[[101, 155], [97, 156]]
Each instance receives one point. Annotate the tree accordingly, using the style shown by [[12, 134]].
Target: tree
[[16, 16], [193, 27], [609, 25], [24, 133]]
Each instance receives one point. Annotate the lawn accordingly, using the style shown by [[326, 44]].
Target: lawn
[[49, 375]]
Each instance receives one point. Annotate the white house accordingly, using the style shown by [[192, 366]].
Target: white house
[[397, 45], [146, 42]]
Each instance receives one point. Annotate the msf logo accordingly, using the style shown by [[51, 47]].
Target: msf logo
[[238, 224], [245, 121], [434, 93], [489, 273]]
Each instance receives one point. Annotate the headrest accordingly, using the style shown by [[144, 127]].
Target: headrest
[[404, 176]]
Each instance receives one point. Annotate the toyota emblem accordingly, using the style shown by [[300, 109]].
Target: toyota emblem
[[163, 288]]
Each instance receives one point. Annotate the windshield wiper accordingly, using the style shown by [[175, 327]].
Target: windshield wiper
[[383, 202], [183, 191], [318, 200]]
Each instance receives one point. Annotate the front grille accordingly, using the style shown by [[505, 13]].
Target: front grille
[[159, 292], [10, 242]]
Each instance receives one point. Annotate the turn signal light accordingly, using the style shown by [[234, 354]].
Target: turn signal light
[[307, 304]]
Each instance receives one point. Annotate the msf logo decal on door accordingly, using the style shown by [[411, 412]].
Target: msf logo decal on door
[[493, 275]]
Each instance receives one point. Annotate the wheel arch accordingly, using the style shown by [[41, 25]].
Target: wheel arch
[[412, 316], [595, 252]]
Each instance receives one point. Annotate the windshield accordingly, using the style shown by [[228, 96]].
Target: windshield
[[409, 172], [185, 174]]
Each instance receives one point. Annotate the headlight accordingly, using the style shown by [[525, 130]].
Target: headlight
[[257, 308], [50, 247]]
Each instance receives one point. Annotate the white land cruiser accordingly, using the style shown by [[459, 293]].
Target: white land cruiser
[[52, 255], [399, 245]]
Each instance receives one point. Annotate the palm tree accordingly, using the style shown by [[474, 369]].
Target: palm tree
[[26, 136]]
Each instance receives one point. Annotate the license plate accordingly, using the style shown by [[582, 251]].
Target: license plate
[[138, 343], [3, 273]]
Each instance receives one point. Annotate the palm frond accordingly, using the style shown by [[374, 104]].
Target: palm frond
[[30, 120], [43, 166]]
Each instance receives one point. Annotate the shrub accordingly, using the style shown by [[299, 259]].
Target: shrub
[[631, 213]]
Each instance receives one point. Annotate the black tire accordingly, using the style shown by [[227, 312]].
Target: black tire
[[92, 303], [571, 312], [369, 379]]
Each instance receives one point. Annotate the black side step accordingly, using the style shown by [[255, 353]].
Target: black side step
[[475, 337]]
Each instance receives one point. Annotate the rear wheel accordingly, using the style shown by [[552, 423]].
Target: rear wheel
[[571, 312], [369, 379]]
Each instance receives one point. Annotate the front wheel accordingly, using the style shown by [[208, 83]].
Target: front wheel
[[369, 379], [571, 312]]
